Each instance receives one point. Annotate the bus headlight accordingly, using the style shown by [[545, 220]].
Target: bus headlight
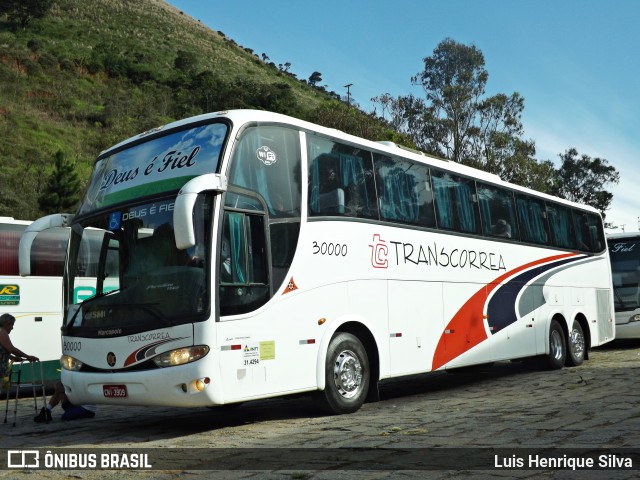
[[181, 356], [635, 318], [69, 363]]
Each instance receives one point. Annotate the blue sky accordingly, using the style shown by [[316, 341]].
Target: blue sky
[[575, 62]]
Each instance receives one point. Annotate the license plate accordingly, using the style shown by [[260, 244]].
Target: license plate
[[114, 391]]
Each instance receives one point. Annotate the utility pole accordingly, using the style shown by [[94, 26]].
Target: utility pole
[[348, 87]]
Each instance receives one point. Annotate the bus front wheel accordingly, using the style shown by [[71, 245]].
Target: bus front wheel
[[347, 375]]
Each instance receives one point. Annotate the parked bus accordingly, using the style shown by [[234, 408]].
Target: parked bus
[[254, 255], [35, 301], [624, 251]]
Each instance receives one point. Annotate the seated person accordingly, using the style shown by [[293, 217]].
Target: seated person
[[502, 229], [71, 411]]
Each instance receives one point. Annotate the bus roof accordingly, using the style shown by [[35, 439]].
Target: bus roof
[[242, 116]]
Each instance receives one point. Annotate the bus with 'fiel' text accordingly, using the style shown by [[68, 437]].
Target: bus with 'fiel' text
[[246, 254], [624, 251]]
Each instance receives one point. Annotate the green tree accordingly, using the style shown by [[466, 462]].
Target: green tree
[[457, 121], [21, 12], [582, 179], [453, 79], [186, 62], [315, 78], [62, 190]]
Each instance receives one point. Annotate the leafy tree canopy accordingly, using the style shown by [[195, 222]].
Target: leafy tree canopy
[[455, 120], [583, 179], [21, 12], [315, 78]]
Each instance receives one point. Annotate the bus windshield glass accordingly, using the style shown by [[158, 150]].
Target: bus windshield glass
[[625, 268], [144, 280]]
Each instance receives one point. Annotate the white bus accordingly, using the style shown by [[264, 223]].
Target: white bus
[[624, 251], [257, 255], [35, 301]]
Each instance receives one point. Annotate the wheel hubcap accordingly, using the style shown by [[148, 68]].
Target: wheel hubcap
[[577, 343], [555, 343], [347, 374]]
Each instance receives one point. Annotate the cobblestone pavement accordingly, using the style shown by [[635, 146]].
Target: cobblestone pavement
[[507, 406]]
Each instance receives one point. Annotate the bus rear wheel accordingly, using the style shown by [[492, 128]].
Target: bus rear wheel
[[347, 375], [576, 350], [557, 355]]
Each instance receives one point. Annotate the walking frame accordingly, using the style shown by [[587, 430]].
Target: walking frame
[[16, 383]]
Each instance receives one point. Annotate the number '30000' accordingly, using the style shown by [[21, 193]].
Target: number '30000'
[[331, 249]]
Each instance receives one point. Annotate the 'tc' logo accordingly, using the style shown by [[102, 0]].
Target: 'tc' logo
[[379, 251]]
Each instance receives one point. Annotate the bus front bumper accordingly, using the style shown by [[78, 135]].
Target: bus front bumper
[[180, 386]]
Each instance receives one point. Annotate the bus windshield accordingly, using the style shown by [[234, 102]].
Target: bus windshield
[[625, 267], [144, 280]]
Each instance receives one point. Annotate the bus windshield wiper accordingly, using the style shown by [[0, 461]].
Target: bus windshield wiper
[[70, 323]]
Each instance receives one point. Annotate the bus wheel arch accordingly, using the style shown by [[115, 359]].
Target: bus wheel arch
[[350, 370], [577, 341]]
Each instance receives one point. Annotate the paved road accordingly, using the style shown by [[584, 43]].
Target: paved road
[[506, 407]]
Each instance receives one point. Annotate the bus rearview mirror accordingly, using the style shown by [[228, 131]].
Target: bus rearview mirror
[[56, 220], [185, 201]]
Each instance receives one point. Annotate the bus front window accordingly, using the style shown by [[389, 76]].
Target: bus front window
[[625, 267], [139, 278]]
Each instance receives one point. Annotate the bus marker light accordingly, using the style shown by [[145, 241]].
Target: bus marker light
[[321, 321], [230, 347], [202, 383], [311, 341], [395, 335]]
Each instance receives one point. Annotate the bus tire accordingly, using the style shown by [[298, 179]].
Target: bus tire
[[557, 355], [576, 346], [347, 375]]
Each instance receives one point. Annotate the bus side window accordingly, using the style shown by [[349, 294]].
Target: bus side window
[[9, 241], [582, 231], [341, 180], [532, 220], [454, 201], [327, 198], [592, 232], [404, 191], [48, 252], [560, 225], [497, 212]]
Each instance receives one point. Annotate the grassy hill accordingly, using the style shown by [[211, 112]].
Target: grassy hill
[[93, 72]]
